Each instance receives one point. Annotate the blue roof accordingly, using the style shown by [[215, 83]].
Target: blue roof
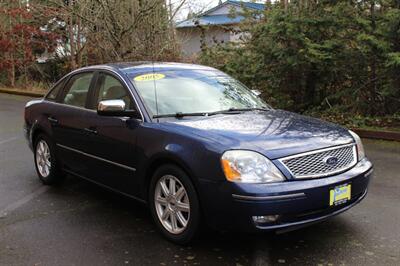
[[205, 19], [210, 20], [251, 5]]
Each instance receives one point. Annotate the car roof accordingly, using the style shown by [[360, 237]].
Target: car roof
[[129, 67]]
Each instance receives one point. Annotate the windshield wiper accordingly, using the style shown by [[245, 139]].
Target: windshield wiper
[[179, 115], [250, 109], [227, 111], [238, 110]]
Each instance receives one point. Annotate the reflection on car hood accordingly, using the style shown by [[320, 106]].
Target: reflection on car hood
[[275, 133]]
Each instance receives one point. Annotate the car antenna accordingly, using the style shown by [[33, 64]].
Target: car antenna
[[155, 86]]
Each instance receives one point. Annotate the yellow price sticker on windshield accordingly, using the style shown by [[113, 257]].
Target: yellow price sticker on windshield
[[149, 77]]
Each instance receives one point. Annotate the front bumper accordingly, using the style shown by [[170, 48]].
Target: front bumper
[[298, 202]]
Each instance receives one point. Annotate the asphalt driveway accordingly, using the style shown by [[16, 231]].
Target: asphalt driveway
[[82, 224]]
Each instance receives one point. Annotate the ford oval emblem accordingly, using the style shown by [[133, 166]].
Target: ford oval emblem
[[331, 160]]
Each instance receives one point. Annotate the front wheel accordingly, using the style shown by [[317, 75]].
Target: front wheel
[[174, 204]]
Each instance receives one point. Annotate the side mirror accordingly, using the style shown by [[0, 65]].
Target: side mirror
[[114, 108]]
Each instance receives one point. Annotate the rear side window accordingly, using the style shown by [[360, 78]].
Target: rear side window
[[77, 89], [54, 92]]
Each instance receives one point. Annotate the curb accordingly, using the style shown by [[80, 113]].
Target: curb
[[23, 93], [375, 134]]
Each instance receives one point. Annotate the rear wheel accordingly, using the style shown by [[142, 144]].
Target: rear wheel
[[174, 204], [45, 161]]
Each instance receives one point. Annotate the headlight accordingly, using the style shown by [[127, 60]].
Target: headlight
[[360, 147], [249, 167]]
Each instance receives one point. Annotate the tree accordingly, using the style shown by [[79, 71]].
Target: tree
[[339, 55], [113, 30], [21, 38], [77, 33]]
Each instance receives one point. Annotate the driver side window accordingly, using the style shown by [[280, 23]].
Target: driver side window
[[111, 88]]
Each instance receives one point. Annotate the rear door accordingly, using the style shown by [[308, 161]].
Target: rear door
[[69, 120]]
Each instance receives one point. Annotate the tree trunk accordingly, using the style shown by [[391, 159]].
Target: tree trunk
[[71, 37], [79, 43], [285, 4], [12, 61], [11, 75], [311, 85], [373, 78], [171, 25]]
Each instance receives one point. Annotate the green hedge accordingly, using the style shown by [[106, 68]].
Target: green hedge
[[319, 56]]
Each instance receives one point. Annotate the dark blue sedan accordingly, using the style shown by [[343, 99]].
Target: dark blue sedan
[[195, 145]]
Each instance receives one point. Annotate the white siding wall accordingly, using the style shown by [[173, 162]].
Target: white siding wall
[[190, 38]]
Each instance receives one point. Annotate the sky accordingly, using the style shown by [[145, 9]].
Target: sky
[[194, 6]]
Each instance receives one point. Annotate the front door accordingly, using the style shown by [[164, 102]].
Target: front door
[[112, 140]]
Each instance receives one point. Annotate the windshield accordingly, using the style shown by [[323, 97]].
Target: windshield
[[192, 91]]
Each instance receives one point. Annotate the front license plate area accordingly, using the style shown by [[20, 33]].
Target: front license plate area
[[340, 195]]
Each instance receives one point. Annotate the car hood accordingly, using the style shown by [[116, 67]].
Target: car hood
[[274, 133]]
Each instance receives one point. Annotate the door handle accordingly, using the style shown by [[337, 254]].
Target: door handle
[[52, 120], [91, 130]]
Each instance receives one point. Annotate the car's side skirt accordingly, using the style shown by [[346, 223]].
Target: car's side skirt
[[104, 186]]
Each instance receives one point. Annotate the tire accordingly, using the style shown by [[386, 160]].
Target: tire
[[183, 204], [45, 158]]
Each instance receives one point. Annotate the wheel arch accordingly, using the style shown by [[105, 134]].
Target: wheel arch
[[164, 159], [36, 131], [35, 134]]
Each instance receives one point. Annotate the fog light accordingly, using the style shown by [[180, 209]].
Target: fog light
[[265, 219]]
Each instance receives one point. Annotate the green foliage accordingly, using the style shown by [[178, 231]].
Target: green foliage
[[325, 55], [386, 122]]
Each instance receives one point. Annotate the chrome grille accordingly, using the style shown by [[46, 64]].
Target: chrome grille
[[313, 164]]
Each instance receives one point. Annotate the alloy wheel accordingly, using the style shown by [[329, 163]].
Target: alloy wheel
[[172, 204], [43, 162]]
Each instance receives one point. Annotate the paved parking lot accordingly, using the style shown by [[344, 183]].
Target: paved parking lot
[[82, 224]]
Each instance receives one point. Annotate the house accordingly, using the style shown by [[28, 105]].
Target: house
[[216, 25]]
